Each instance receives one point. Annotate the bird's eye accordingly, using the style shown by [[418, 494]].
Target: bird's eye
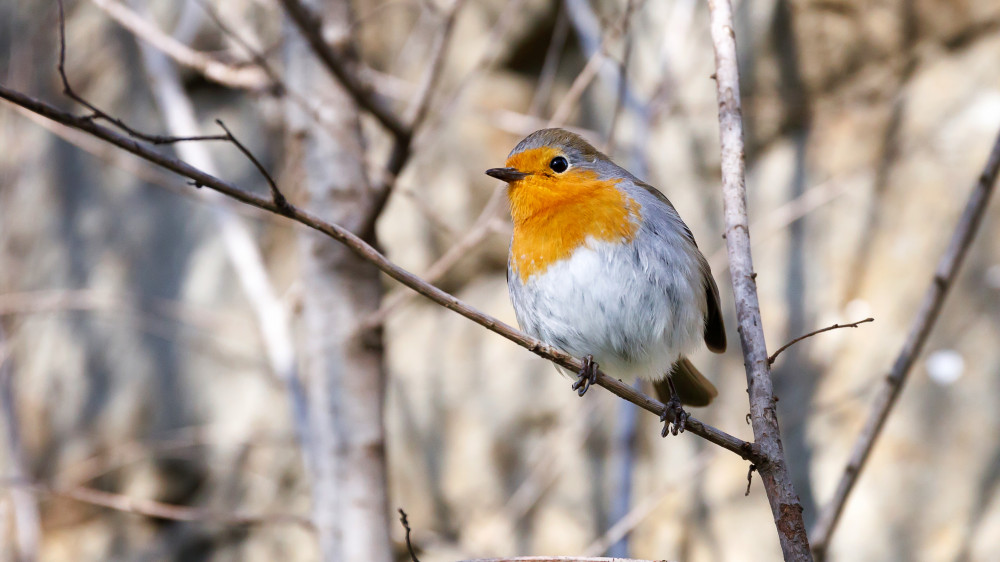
[[559, 164]]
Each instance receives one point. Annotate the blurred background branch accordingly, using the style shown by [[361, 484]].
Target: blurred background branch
[[141, 369], [923, 323], [27, 523]]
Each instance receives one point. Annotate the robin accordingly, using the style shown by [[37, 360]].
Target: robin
[[602, 267]]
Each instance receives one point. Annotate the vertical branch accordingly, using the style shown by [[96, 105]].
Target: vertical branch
[[944, 278], [785, 506], [342, 366]]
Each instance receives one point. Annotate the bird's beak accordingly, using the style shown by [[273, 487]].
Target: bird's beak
[[506, 174]]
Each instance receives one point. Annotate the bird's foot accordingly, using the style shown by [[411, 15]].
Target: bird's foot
[[586, 377], [680, 417]]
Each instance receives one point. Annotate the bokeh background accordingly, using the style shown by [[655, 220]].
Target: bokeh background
[[134, 361]]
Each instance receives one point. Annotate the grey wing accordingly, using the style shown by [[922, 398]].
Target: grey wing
[[715, 329]]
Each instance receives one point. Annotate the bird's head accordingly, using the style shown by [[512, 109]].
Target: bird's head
[[563, 192], [551, 155], [552, 168]]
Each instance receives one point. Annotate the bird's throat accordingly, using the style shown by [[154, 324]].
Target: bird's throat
[[555, 215]]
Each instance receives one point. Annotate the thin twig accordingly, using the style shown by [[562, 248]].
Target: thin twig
[[589, 29], [409, 545], [485, 224], [155, 318], [97, 113], [256, 56], [785, 506], [490, 55], [367, 252], [770, 360], [59, 300], [160, 510], [572, 431], [784, 215], [930, 308], [280, 87], [576, 89], [231, 75], [402, 148], [417, 110], [142, 170], [276, 196], [279, 199], [590, 70], [311, 26], [181, 442], [750, 471]]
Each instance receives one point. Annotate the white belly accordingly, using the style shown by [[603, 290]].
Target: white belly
[[634, 311]]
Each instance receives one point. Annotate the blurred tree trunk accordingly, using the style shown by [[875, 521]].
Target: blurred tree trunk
[[344, 371]]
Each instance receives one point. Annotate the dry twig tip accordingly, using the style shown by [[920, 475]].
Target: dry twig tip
[[770, 360], [409, 545]]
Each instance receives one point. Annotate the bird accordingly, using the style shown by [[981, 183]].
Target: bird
[[602, 267]]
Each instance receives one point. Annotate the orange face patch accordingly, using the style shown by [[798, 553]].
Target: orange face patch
[[554, 214]]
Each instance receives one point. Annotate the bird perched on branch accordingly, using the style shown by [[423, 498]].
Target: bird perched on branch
[[602, 267]]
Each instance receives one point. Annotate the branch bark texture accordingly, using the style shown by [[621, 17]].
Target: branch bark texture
[[892, 385], [785, 506], [344, 370]]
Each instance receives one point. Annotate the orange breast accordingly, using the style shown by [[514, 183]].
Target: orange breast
[[554, 214]]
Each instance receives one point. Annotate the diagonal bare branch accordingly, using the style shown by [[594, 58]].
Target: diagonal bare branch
[[160, 510], [364, 250], [485, 224], [944, 278], [310, 25], [248, 77]]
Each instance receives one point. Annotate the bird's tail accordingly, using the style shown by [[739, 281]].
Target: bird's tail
[[692, 387]]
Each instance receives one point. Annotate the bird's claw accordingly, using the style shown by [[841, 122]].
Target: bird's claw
[[586, 377], [680, 418]]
